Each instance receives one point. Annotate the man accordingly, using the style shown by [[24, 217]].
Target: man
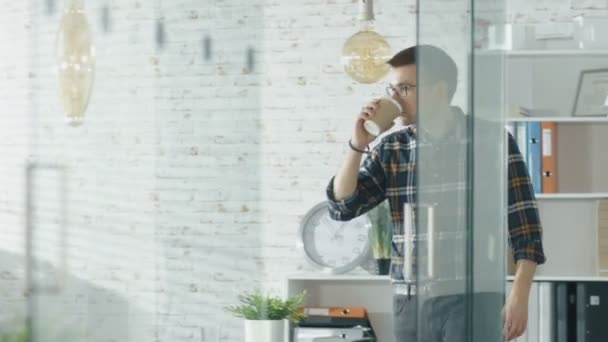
[[389, 173]]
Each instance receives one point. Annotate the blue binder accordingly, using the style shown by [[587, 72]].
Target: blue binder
[[534, 155]]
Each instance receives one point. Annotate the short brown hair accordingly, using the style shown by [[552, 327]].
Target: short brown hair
[[437, 66]]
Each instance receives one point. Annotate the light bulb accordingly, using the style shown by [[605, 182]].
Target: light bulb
[[365, 53], [75, 63]]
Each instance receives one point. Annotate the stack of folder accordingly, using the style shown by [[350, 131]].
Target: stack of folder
[[537, 142], [322, 324]]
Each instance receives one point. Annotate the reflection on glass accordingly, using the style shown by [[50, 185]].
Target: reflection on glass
[[207, 48], [75, 62], [105, 18], [160, 33], [50, 7]]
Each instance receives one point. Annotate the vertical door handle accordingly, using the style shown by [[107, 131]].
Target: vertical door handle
[[30, 230]]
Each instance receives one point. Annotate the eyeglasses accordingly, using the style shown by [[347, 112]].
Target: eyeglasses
[[402, 90]]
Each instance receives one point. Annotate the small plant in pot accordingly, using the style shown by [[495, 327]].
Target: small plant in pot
[[381, 236], [265, 315], [18, 335]]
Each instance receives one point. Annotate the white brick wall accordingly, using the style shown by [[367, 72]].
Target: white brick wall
[[189, 178]]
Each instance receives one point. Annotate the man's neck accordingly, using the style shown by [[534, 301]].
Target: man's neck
[[440, 123]]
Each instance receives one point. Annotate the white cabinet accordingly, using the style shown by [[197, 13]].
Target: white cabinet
[[375, 294], [372, 292], [540, 313]]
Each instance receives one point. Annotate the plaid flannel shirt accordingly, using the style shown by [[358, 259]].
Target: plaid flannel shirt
[[389, 173]]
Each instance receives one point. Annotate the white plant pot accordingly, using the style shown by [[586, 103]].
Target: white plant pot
[[264, 331]]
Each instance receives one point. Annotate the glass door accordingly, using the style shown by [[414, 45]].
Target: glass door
[[84, 154], [130, 200], [458, 220], [207, 133]]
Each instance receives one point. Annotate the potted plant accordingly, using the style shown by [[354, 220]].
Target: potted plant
[[381, 236], [265, 315], [18, 335]]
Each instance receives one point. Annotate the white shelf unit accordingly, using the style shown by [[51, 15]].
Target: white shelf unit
[[581, 160], [375, 294], [567, 196], [570, 216], [559, 119], [372, 292], [541, 53], [565, 279], [548, 80], [341, 277]]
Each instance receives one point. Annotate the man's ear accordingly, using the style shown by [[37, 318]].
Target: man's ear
[[440, 89]]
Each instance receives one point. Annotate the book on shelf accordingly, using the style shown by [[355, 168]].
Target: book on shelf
[[534, 155], [549, 162], [546, 303], [602, 237], [533, 315], [537, 142]]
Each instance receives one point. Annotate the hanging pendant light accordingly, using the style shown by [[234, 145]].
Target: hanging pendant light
[[50, 7], [106, 14], [207, 48], [75, 62], [365, 53], [159, 30]]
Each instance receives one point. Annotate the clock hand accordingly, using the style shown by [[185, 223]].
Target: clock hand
[[340, 229], [329, 223]]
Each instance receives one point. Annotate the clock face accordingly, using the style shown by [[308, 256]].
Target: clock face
[[334, 246]]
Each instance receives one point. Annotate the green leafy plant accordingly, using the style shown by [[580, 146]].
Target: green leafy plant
[[259, 306], [381, 231], [19, 335], [59, 329]]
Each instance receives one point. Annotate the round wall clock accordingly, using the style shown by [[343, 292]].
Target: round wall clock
[[333, 246]]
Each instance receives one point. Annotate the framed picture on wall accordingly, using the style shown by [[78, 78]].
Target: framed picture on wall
[[592, 93]]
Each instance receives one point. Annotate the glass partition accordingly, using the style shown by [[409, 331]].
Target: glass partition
[[158, 157], [459, 216]]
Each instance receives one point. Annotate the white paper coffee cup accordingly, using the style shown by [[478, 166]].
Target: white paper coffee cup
[[389, 109]]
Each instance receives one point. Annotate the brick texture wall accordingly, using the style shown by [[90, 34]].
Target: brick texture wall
[[188, 180]]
